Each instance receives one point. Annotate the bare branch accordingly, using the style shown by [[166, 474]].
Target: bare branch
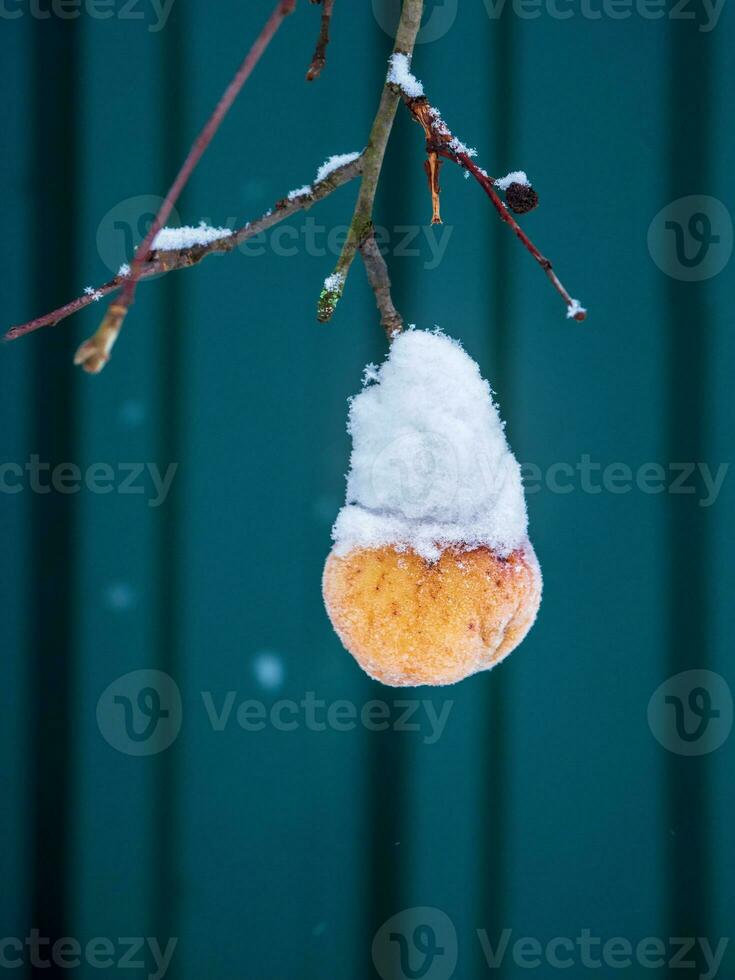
[[319, 59], [362, 219], [377, 273], [439, 140], [574, 310], [160, 262], [94, 353]]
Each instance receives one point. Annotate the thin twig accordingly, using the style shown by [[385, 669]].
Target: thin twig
[[362, 219], [486, 183], [159, 262], [94, 353], [377, 273], [439, 140], [319, 59]]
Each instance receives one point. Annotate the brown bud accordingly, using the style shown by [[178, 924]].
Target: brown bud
[[521, 198]]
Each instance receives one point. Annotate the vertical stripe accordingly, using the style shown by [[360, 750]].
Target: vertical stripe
[[389, 855], [493, 868], [171, 341], [51, 636], [688, 154]]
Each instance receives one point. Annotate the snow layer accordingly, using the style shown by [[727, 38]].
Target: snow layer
[[169, 239], [430, 465], [514, 177], [300, 192], [399, 73], [334, 163], [574, 308]]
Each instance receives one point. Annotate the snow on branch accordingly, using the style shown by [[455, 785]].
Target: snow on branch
[[440, 142], [362, 219], [95, 352], [399, 73], [164, 250], [158, 262]]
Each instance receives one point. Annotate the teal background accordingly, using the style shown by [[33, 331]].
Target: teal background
[[547, 806]]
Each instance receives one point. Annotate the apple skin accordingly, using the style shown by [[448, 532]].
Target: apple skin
[[410, 622]]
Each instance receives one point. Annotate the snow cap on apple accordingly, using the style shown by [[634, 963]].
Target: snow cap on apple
[[432, 576]]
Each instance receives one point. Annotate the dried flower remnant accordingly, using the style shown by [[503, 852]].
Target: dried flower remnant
[[521, 198]]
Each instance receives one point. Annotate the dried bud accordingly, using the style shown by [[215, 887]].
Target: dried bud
[[94, 353], [521, 198]]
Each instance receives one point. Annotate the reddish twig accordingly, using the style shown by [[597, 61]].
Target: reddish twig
[[68, 309], [157, 263], [94, 353], [486, 183], [439, 140], [319, 59]]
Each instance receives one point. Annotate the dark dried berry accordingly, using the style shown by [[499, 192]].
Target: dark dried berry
[[521, 198]]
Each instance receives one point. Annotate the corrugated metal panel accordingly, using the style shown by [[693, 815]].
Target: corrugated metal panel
[[546, 806]]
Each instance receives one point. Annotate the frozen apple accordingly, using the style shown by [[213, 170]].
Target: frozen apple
[[432, 576]]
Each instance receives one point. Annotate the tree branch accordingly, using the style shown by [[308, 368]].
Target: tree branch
[[95, 352], [441, 142], [377, 273], [574, 310], [158, 262], [319, 59], [362, 219]]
